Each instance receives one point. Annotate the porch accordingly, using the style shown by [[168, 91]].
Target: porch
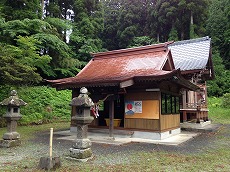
[[194, 112]]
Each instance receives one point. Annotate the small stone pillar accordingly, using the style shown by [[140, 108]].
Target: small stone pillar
[[12, 138], [81, 150]]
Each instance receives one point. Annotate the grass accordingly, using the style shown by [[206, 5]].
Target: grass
[[217, 113], [28, 132]]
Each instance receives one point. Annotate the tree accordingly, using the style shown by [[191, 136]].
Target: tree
[[111, 17], [187, 17], [133, 21], [88, 17], [49, 42], [173, 35], [141, 41], [19, 10], [218, 27], [125, 20], [87, 27], [165, 14], [18, 64], [221, 84]]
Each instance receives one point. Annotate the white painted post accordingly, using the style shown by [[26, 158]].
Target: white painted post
[[51, 142]]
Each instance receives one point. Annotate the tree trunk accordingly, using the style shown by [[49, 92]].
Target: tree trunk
[[192, 32], [42, 7], [158, 37]]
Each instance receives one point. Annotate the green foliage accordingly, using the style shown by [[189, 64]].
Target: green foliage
[[226, 100], [88, 25], [173, 35], [44, 105], [19, 10], [38, 48], [218, 27], [178, 14], [18, 64], [4, 93], [218, 113], [161, 20], [12, 29], [221, 84], [141, 41], [60, 25]]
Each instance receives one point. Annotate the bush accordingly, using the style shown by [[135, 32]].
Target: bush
[[226, 100], [45, 104], [4, 93]]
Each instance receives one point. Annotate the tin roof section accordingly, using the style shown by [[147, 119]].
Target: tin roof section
[[191, 54]]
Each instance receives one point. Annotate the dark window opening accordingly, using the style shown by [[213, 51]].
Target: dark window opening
[[15, 110], [169, 104]]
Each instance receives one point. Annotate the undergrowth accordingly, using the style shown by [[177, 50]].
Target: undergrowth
[[218, 112], [44, 104]]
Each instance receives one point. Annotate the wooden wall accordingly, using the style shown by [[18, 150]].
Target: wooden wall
[[139, 123], [169, 121], [142, 96], [149, 118]]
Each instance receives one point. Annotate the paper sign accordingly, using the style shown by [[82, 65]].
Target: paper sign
[[132, 107]]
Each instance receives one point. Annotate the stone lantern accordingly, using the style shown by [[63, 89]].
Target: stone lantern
[[13, 103], [81, 150]]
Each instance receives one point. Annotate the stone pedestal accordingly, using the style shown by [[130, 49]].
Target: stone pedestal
[[13, 103], [81, 149]]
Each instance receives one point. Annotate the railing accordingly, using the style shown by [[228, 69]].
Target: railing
[[195, 106]]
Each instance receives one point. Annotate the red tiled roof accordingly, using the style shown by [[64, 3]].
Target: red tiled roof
[[113, 67]]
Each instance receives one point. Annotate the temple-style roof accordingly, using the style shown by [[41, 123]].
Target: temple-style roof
[[192, 55], [125, 67]]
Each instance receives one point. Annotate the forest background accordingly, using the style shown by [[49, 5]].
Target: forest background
[[51, 39]]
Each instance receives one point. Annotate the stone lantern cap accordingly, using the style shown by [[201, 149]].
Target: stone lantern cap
[[83, 99], [13, 100]]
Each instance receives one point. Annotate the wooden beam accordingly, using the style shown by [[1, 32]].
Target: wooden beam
[[126, 83]]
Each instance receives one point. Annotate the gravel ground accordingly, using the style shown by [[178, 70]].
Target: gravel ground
[[31, 151]]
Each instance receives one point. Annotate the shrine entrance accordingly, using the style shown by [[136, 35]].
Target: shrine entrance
[[104, 112]]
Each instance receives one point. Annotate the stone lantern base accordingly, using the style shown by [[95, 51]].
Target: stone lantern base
[[9, 143], [81, 154], [81, 150]]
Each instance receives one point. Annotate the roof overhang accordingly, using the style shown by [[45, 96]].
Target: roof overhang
[[173, 76]]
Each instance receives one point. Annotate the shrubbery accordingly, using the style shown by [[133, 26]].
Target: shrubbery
[[45, 104], [226, 100]]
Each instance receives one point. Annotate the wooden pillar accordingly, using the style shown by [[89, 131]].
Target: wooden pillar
[[184, 106], [111, 117], [184, 99], [198, 114], [184, 116]]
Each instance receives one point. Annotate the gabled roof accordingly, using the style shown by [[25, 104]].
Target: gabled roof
[[194, 54], [119, 66], [126, 67]]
